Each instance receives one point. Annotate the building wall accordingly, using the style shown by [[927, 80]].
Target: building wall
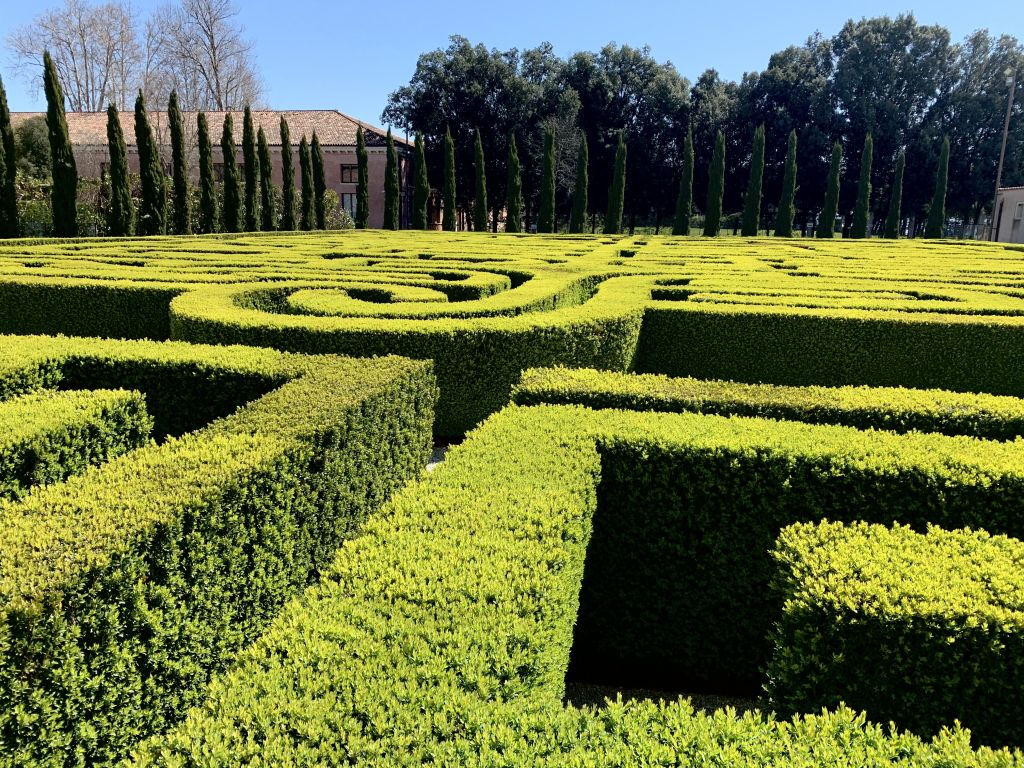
[[1010, 215]]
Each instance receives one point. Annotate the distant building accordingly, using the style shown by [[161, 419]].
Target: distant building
[[336, 131], [1010, 215]]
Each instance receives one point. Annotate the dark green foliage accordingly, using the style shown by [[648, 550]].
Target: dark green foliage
[[288, 178], [787, 207], [179, 166], [421, 186], [232, 213], [936, 226], [207, 190], [448, 193], [716, 188], [513, 189], [684, 200], [252, 172], [480, 198], [580, 207], [316, 157], [9, 226], [617, 191], [827, 220], [268, 203], [546, 221], [153, 208], [63, 172], [892, 220], [119, 222], [307, 212], [859, 227], [752, 201], [363, 183], [392, 190]]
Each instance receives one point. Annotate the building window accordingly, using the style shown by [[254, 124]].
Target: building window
[[1018, 214], [218, 171], [103, 168], [349, 174], [348, 202]]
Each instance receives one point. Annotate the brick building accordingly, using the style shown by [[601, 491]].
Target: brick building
[[336, 131]]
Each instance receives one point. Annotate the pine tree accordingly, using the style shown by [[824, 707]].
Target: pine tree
[[716, 188], [421, 190], [580, 204], [936, 226], [684, 200], [547, 183], [288, 179], [252, 172], [752, 202], [64, 192], [179, 165], [153, 208], [827, 221], [859, 228], [617, 192], [207, 190], [363, 187], [119, 222], [391, 187], [513, 189], [307, 210], [316, 157], [787, 208], [232, 213], [9, 224], [268, 212], [448, 215], [892, 220], [480, 200]]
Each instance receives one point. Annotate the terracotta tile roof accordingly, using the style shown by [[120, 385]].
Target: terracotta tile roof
[[333, 128]]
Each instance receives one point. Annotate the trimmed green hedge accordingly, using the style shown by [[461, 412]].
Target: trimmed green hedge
[[46, 437], [442, 634], [919, 629], [123, 589], [895, 409]]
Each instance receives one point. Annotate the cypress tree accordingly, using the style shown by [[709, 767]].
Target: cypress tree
[[391, 187], [752, 201], [207, 190], [892, 220], [119, 220], [859, 228], [363, 187], [153, 208], [288, 179], [252, 172], [787, 209], [547, 183], [421, 190], [480, 200], [268, 214], [936, 226], [716, 188], [307, 211], [64, 191], [316, 156], [179, 164], [617, 193], [9, 225], [684, 201], [827, 221], [232, 200], [448, 215], [513, 189], [578, 218]]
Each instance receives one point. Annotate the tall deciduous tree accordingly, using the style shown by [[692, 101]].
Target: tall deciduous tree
[[449, 201], [480, 177], [307, 215], [859, 228], [392, 190], [363, 181], [64, 172], [232, 214], [684, 200], [119, 219], [287, 179], [153, 208], [268, 205], [316, 156], [578, 217], [617, 191], [827, 220], [207, 190], [9, 224], [752, 202], [716, 188], [421, 188], [179, 166], [513, 189], [784, 217], [546, 222], [892, 220], [252, 172], [936, 226]]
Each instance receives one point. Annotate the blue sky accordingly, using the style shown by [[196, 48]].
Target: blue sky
[[350, 55]]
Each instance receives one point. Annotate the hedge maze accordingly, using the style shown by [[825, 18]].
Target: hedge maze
[[787, 470]]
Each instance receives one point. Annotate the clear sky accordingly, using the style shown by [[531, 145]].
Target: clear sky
[[350, 54]]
